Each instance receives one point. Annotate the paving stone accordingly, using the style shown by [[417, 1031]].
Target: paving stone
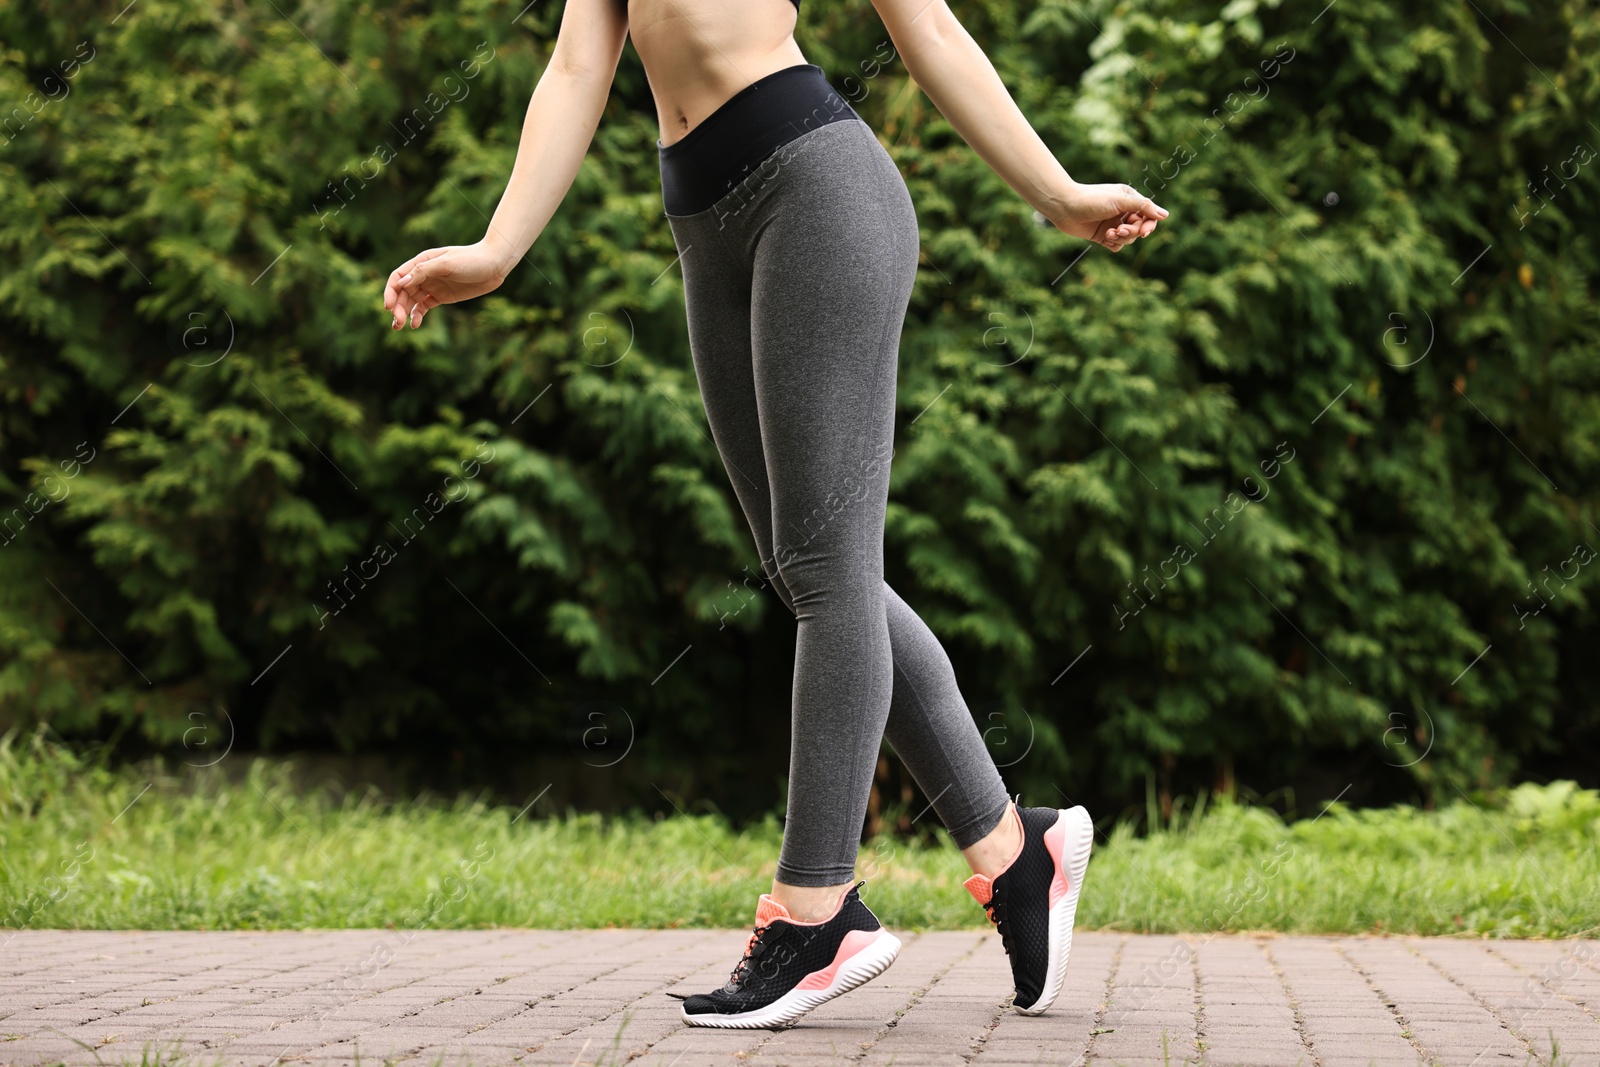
[[1440, 1015], [562, 997], [1338, 1012], [1062, 1035], [1532, 1001], [450, 1055]]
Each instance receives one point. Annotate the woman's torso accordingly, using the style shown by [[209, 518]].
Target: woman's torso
[[698, 53]]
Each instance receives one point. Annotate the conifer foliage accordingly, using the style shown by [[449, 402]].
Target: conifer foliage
[[1305, 484]]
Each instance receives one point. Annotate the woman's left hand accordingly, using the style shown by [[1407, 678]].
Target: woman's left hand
[[1111, 215]]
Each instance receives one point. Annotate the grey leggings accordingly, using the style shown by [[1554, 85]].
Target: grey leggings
[[796, 284]]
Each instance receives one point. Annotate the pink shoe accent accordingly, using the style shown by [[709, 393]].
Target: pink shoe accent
[[853, 942], [768, 909], [1055, 839], [981, 887]]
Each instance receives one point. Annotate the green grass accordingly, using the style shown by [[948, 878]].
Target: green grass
[[200, 853]]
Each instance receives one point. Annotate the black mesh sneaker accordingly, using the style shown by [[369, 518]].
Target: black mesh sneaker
[[1034, 900], [789, 967]]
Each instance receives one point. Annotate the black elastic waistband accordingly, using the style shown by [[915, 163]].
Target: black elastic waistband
[[701, 167]]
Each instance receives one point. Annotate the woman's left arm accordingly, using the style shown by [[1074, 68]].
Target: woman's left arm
[[950, 67]]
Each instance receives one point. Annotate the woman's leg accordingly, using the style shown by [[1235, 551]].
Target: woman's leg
[[833, 252], [932, 731], [827, 366]]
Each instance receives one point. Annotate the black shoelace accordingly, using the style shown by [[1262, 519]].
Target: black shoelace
[[755, 947], [995, 909], [765, 937]]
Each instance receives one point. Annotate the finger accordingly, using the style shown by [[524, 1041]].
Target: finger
[[414, 291], [1133, 200], [391, 289], [391, 286], [405, 304], [426, 302], [1138, 223], [425, 305], [402, 307], [397, 278], [1138, 226]]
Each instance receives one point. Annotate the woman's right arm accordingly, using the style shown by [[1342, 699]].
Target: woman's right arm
[[560, 123]]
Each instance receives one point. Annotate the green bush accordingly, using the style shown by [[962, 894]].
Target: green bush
[[1284, 486]]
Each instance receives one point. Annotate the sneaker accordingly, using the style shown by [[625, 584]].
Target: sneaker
[[1034, 900], [789, 967]]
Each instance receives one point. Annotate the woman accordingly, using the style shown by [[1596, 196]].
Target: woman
[[798, 245]]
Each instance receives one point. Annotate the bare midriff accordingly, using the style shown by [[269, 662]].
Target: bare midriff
[[699, 53]]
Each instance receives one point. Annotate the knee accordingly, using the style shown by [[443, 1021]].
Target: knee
[[826, 575], [774, 577]]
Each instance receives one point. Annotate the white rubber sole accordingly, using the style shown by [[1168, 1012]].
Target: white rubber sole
[[1078, 840], [864, 966]]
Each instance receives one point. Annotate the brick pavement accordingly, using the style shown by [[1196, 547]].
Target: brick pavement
[[329, 998]]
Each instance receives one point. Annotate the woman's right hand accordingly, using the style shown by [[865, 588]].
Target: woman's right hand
[[441, 276]]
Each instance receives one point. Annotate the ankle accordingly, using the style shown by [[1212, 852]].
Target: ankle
[[993, 853], [809, 904]]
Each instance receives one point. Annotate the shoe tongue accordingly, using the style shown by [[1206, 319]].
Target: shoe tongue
[[981, 887], [768, 909]]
